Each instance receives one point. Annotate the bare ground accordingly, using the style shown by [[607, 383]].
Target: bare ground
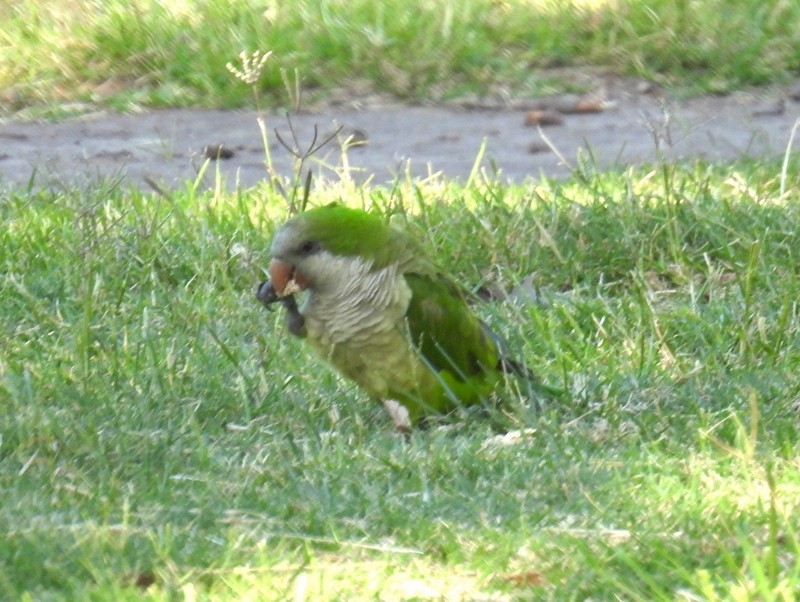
[[636, 124]]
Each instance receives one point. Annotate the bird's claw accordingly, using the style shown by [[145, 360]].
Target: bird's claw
[[267, 294]]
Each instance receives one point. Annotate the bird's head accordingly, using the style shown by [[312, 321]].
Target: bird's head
[[315, 249]]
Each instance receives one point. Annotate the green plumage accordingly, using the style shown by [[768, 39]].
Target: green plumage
[[350, 232], [385, 315]]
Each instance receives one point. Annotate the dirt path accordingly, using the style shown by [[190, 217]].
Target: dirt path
[[167, 147]]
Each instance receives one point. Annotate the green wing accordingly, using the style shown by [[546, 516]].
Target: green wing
[[452, 341]]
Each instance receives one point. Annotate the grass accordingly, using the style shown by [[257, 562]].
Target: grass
[[164, 438], [150, 53]]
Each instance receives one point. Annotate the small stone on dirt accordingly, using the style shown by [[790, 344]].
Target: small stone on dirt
[[543, 117], [590, 106], [776, 107], [534, 148], [217, 151]]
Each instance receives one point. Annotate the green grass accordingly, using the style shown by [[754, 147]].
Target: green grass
[[159, 426], [162, 437], [151, 53]]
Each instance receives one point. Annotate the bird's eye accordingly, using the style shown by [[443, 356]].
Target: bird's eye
[[308, 247]]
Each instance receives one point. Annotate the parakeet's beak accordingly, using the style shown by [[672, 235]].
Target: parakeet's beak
[[285, 279]]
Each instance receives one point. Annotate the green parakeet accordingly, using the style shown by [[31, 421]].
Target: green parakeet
[[383, 314]]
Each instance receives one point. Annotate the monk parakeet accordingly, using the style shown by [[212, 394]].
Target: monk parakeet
[[383, 314]]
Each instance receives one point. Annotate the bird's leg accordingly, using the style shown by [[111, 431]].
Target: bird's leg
[[399, 414]]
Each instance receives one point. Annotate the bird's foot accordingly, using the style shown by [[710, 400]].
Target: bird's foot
[[399, 415], [267, 294]]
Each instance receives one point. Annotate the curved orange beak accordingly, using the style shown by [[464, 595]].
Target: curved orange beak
[[285, 280]]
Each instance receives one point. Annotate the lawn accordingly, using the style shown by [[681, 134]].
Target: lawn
[[163, 437], [130, 54]]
